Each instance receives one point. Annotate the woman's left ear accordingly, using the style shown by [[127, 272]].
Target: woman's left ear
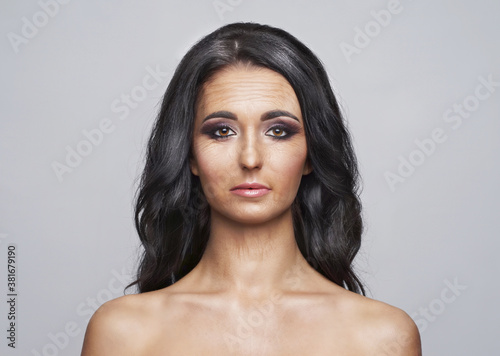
[[307, 167]]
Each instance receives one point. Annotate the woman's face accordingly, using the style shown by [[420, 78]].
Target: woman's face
[[249, 129]]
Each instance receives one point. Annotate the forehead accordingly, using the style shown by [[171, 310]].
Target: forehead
[[243, 87]]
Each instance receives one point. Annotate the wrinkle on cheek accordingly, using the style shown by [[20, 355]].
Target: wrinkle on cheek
[[295, 150], [201, 144], [213, 160]]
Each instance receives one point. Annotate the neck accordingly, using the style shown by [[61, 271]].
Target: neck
[[249, 259]]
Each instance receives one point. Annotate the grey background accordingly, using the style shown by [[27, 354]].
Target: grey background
[[436, 228]]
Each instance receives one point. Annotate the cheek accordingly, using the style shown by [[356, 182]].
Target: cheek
[[287, 168], [214, 169], [286, 165], [289, 158]]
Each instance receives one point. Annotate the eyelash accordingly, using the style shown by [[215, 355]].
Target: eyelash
[[290, 131]]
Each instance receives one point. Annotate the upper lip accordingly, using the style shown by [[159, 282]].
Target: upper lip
[[247, 185]]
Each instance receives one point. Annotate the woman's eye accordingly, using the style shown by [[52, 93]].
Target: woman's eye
[[223, 132], [278, 132]]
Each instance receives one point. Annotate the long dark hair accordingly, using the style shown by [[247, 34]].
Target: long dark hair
[[172, 215]]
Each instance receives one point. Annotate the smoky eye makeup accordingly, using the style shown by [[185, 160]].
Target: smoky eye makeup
[[285, 129], [217, 129], [278, 129]]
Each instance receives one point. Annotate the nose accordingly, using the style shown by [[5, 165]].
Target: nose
[[250, 152]]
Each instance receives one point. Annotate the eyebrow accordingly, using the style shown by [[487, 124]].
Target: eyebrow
[[265, 116]]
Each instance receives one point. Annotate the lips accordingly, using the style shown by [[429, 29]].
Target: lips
[[250, 186], [250, 190]]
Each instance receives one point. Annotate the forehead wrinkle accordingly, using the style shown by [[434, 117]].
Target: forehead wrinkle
[[225, 95], [225, 88]]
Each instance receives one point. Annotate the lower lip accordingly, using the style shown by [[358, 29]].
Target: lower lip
[[250, 192]]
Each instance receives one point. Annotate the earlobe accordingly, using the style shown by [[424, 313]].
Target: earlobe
[[307, 167], [193, 166]]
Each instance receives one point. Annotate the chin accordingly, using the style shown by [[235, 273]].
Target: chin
[[254, 215]]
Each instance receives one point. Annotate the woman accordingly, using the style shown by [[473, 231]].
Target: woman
[[249, 216]]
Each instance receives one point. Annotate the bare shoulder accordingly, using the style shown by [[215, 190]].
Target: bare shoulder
[[396, 332], [121, 326], [386, 330]]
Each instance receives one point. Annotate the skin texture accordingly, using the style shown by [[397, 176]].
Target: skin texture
[[252, 293]]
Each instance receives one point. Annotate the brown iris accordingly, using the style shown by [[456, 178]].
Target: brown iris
[[278, 132]]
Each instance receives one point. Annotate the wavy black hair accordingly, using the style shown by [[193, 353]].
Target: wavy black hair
[[172, 215]]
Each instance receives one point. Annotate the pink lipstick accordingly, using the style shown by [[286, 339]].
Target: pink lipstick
[[250, 190]]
